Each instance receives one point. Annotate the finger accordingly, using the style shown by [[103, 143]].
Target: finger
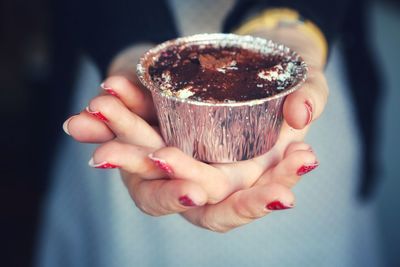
[[136, 98], [126, 125], [290, 169], [242, 207], [288, 141], [296, 146], [161, 197], [177, 164], [129, 158], [306, 104], [86, 129]]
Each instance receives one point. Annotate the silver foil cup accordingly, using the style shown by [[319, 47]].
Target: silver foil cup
[[220, 132]]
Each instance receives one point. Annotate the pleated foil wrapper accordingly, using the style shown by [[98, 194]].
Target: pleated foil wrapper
[[221, 132]]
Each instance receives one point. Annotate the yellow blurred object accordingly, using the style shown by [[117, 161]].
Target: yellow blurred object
[[276, 17]]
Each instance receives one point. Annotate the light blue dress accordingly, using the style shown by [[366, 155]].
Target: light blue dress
[[90, 220]]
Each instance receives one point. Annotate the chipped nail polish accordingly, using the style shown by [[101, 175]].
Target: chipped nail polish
[[186, 201], [161, 164], [97, 114], [102, 165], [109, 90], [307, 168], [277, 205]]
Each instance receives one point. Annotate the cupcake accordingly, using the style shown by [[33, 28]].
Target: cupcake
[[219, 97]]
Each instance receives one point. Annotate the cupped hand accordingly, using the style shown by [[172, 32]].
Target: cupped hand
[[218, 196], [163, 180]]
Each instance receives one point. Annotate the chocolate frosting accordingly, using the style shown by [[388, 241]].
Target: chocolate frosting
[[221, 74]]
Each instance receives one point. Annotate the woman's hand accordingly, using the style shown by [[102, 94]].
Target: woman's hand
[[217, 197], [128, 140]]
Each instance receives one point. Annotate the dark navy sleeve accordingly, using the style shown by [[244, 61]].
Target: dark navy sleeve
[[103, 28]]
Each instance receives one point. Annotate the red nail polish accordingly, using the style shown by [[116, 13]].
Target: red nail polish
[[160, 163], [111, 92], [307, 168], [277, 205], [97, 114], [106, 166], [186, 201], [108, 90], [102, 165], [309, 112]]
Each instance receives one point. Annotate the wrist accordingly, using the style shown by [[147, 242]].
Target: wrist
[[124, 63], [286, 26]]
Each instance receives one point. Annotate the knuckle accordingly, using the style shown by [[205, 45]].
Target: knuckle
[[207, 222], [139, 200], [296, 146], [244, 212], [213, 226], [215, 194], [144, 207], [162, 203], [213, 200]]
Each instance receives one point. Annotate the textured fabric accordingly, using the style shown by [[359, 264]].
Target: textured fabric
[[90, 220]]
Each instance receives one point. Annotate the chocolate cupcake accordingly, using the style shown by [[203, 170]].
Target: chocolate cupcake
[[219, 97]]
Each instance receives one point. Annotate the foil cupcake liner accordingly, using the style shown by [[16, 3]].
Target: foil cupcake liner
[[221, 132]]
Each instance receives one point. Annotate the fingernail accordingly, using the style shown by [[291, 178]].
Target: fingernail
[[97, 114], [186, 201], [109, 90], [102, 165], [160, 163], [65, 125], [307, 168], [277, 205], [309, 112]]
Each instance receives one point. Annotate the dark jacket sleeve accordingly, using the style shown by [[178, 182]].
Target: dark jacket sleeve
[[328, 16], [103, 28]]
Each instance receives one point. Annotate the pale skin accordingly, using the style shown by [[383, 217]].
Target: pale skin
[[225, 196]]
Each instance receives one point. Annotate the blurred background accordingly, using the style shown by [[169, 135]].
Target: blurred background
[[31, 122]]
